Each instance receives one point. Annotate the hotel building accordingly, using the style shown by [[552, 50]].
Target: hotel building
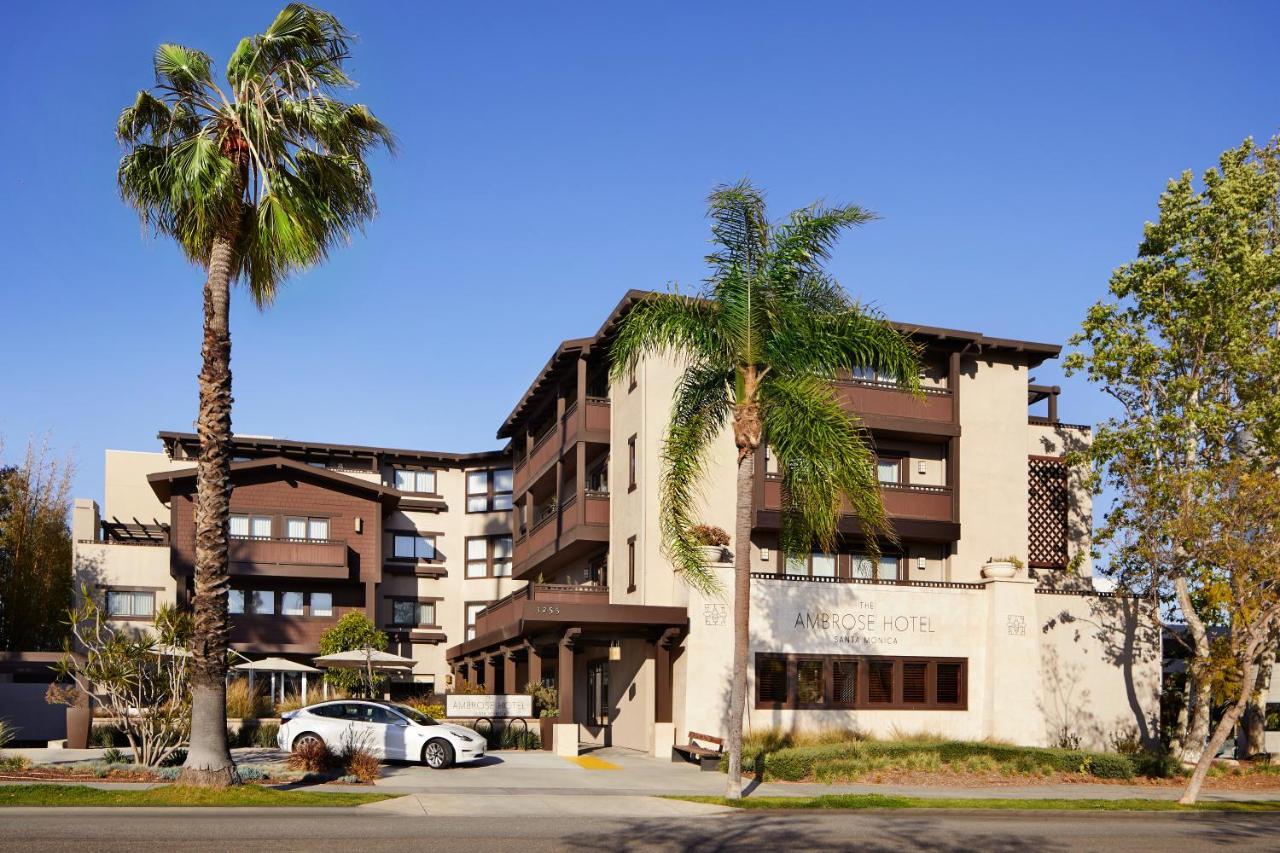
[[542, 561]]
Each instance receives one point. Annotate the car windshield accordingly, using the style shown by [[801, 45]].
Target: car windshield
[[415, 715]]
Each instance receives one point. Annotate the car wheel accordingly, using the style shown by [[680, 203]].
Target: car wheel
[[437, 754], [306, 739]]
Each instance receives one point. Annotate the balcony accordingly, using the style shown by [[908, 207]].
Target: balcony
[[297, 558], [571, 531], [587, 420], [268, 633], [916, 511], [882, 405], [537, 600]]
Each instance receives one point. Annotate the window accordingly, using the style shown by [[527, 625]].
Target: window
[[416, 481], [235, 601], [488, 556], [291, 604], [473, 609], [264, 602], [409, 613], [813, 682], [321, 604], [631, 463], [489, 491], [410, 546], [306, 528], [889, 469], [817, 564], [250, 526], [884, 567], [631, 564], [130, 604]]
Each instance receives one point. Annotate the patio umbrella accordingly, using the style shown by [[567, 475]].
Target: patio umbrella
[[274, 665], [367, 659]]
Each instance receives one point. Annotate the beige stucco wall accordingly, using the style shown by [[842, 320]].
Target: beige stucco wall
[[1035, 662], [98, 565], [993, 464], [127, 494]]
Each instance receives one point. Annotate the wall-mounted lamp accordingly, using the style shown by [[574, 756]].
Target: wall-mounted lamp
[[615, 650], [359, 524], [764, 555], [921, 563]]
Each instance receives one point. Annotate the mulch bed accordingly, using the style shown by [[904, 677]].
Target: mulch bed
[[1246, 781]]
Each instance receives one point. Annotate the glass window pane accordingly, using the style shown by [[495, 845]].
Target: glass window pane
[[264, 602], [318, 528], [291, 603], [477, 569], [426, 613], [426, 481], [502, 480], [261, 527], [117, 604], [321, 604], [501, 502], [913, 681], [404, 481], [824, 565], [471, 632], [948, 684], [425, 548], [478, 483], [809, 686], [889, 470], [473, 609], [844, 677], [880, 682], [403, 547], [477, 504], [295, 528], [502, 546], [403, 612], [477, 549], [502, 568], [797, 566], [888, 568], [861, 566], [771, 679], [235, 601], [240, 525]]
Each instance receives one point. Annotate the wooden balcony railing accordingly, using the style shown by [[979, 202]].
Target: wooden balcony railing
[[510, 608], [587, 420], [927, 503], [314, 558], [570, 523], [864, 397]]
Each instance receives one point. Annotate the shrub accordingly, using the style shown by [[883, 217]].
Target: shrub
[[1126, 741], [466, 688], [709, 534], [169, 773], [110, 735], [508, 736], [546, 700], [1157, 763], [1068, 739], [113, 756], [362, 764], [1106, 765], [264, 735], [244, 702], [252, 774], [311, 756], [292, 702], [14, 762], [175, 759]]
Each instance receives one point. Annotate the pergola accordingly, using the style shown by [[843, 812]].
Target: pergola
[[280, 666]]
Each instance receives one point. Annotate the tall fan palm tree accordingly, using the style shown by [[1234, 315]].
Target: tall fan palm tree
[[255, 178], [761, 346]]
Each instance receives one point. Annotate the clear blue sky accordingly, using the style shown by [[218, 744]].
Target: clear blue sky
[[554, 155]]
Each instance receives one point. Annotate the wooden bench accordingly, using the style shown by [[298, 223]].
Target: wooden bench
[[705, 757]]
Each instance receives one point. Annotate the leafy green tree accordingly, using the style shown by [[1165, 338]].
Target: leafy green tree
[[760, 347], [1188, 344], [35, 553], [354, 632], [256, 178]]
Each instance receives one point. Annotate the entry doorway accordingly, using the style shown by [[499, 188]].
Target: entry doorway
[[598, 693]]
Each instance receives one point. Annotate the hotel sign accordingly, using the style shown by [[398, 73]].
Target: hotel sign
[[864, 625], [481, 705]]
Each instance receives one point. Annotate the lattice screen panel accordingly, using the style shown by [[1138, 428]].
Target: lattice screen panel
[[1047, 513]]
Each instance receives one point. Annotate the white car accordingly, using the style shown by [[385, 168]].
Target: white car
[[385, 729]]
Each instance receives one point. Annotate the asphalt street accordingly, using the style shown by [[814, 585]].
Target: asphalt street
[[314, 829]]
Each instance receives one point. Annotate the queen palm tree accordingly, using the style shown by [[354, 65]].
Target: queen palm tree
[[256, 178], [760, 347]]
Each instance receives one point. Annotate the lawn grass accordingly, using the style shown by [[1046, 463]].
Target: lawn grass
[[883, 801], [177, 795]]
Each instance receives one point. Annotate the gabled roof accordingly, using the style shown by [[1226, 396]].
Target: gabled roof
[[1035, 353], [162, 482], [258, 443]]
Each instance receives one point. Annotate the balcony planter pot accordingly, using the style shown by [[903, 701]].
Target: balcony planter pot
[[715, 554], [999, 569]]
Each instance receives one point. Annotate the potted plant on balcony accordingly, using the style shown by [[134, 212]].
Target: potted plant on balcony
[[546, 705], [1002, 567], [714, 542]]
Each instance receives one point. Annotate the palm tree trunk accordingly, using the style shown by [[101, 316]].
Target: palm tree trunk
[[208, 758], [747, 437]]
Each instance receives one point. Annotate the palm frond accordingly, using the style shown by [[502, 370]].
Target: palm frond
[[183, 70], [699, 413], [669, 324]]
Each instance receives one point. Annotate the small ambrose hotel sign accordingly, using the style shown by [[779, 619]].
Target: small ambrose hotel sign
[[481, 705]]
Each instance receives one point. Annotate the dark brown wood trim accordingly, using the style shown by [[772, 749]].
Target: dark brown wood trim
[[489, 559], [418, 600], [631, 464], [791, 661], [489, 494], [631, 564]]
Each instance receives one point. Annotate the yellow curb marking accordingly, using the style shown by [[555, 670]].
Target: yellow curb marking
[[590, 762]]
